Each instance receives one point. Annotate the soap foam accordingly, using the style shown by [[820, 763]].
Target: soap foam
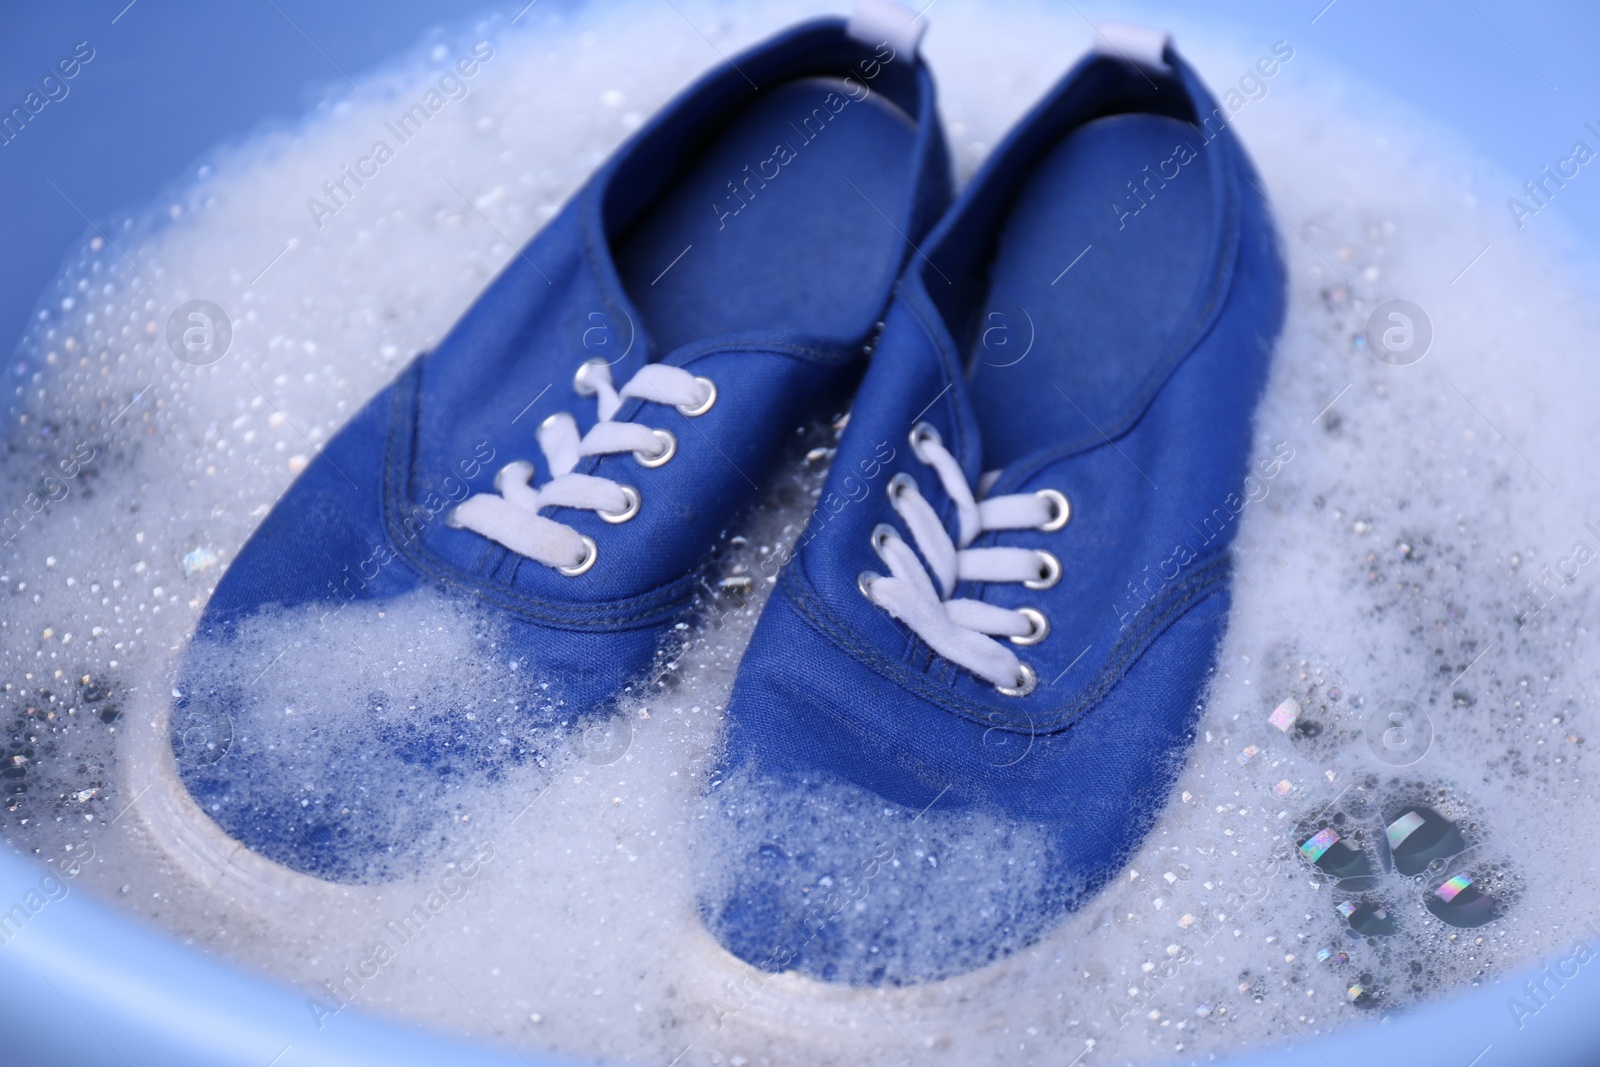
[[358, 734], [1418, 556], [855, 877]]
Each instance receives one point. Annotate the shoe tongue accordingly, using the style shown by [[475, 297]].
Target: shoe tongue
[[921, 386], [1087, 313], [617, 339]]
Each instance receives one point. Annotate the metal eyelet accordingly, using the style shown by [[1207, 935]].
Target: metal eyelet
[[1025, 684], [580, 376], [1049, 571], [629, 509], [704, 406], [1061, 509], [500, 475], [864, 582], [669, 448], [1041, 627], [897, 487], [923, 431], [591, 553], [881, 534]]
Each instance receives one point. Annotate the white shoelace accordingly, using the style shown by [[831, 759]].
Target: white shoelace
[[510, 516], [962, 630]]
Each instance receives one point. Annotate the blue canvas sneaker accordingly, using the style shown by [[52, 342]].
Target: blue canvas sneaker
[[568, 455], [964, 705]]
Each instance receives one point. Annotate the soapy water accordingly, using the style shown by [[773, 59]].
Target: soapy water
[[1408, 646], [374, 746], [860, 872]]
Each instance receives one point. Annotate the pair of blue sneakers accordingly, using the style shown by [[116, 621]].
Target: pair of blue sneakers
[[1015, 626]]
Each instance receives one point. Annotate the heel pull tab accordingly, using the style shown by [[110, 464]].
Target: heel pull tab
[[1143, 46], [876, 22]]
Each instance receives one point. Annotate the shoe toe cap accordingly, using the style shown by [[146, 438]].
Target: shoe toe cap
[[829, 768]]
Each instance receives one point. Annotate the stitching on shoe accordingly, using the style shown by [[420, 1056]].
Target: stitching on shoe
[[663, 604], [1177, 600]]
